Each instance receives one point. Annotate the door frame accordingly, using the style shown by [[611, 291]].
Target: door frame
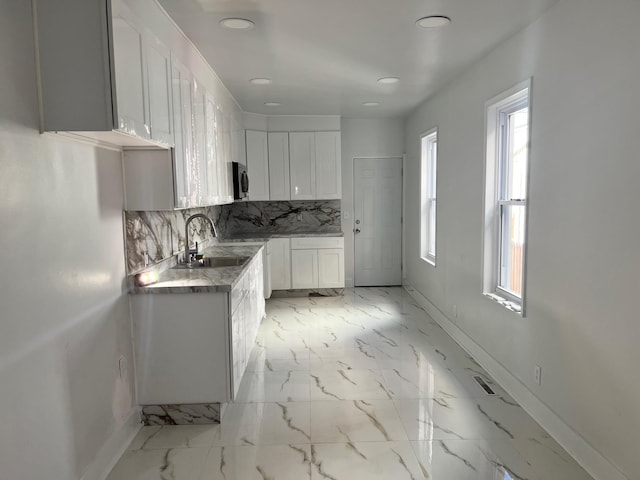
[[402, 203]]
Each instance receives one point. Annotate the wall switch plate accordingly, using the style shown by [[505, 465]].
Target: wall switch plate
[[346, 215], [537, 374]]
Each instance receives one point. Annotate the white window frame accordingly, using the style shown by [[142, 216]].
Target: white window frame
[[497, 109], [428, 195]]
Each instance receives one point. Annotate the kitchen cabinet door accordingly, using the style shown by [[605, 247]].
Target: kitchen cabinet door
[[238, 347], [158, 59], [225, 159], [279, 181], [181, 86], [304, 268], [331, 268], [130, 73], [257, 165], [302, 169], [280, 263], [199, 174], [213, 155], [328, 165]]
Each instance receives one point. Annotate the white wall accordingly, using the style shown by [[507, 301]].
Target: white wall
[[64, 318], [361, 138], [582, 323]]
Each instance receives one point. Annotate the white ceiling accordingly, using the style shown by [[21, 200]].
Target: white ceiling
[[325, 56]]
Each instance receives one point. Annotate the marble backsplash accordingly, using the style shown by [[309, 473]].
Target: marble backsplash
[[320, 216], [160, 234]]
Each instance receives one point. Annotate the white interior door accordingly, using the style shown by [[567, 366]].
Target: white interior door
[[378, 221]]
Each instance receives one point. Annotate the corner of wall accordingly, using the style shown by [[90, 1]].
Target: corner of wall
[[113, 448]]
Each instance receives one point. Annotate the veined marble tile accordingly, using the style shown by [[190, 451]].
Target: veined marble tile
[[364, 460], [281, 462], [297, 356], [471, 460], [174, 436], [495, 459], [425, 380], [177, 464], [194, 414], [263, 362], [274, 387], [348, 385], [161, 233], [264, 424], [465, 419], [355, 421], [283, 216]]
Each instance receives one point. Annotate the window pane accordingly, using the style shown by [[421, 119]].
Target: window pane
[[512, 218], [431, 247], [517, 155]]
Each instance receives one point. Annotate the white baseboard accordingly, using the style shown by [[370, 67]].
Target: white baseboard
[[587, 456], [113, 448]]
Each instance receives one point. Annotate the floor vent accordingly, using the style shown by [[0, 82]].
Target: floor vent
[[484, 385]]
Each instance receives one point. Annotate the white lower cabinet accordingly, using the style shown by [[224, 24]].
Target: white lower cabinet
[[331, 268], [280, 263], [317, 262], [194, 347], [304, 268]]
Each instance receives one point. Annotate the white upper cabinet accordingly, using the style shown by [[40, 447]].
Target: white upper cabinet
[[182, 104], [160, 91], [103, 78], [279, 181], [128, 50], [328, 165], [257, 165], [315, 165], [302, 169], [213, 155], [200, 161]]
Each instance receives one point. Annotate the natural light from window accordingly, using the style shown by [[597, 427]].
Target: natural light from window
[[429, 163]]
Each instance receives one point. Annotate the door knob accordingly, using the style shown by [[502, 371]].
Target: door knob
[[356, 230]]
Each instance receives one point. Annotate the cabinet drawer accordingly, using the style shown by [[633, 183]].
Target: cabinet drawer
[[317, 242]]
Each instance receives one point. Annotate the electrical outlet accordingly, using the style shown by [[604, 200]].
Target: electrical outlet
[[299, 217], [537, 374]]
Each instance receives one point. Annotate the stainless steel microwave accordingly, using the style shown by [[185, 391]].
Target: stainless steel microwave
[[240, 181]]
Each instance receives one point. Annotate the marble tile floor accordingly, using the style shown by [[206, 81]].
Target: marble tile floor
[[364, 386]]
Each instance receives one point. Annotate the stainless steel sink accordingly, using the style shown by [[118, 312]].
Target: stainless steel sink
[[216, 262]]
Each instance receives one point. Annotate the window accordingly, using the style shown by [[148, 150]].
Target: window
[[507, 165], [429, 149]]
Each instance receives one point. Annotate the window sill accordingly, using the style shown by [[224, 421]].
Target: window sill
[[430, 261], [508, 304]]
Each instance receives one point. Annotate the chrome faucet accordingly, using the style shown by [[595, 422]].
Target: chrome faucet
[[191, 253]]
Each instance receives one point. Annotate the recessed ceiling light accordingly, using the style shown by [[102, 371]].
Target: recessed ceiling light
[[388, 80], [260, 81], [272, 104], [237, 23], [371, 104], [433, 21]]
